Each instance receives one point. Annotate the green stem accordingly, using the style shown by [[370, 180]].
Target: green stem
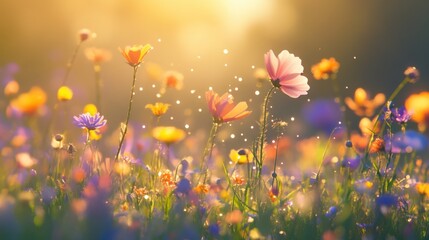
[[70, 63], [124, 131], [98, 85], [263, 132], [209, 149], [391, 97]]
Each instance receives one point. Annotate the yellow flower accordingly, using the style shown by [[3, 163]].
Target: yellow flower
[[362, 105], [325, 68], [241, 156], [135, 54], [64, 93], [168, 135], [158, 108], [422, 188], [122, 168], [90, 108]]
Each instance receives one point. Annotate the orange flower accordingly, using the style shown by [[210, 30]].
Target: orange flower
[[325, 68], [422, 188], [11, 88], [135, 54], [223, 108], [202, 188], [166, 178], [97, 55], [362, 105], [418, 105], [173, 79], [29, 102]]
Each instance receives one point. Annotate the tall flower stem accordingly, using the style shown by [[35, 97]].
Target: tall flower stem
[[98, 85], [390, 99], [340, 100], [125, 128], [262, 136], [71, 62], [208, 150]]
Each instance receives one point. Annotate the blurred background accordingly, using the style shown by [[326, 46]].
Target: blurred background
[[214, 43]]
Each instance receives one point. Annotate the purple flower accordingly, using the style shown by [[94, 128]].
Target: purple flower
[[351, 162], [406, 142], [400, 115], [88, 121]]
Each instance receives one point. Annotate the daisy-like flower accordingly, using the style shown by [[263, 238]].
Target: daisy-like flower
[[223, 108], [285, 72], [89, 122], [362, 105], [135, 54], [158, 109], [325, 68]]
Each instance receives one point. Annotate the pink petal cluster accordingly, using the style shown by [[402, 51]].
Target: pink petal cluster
[[223, 108], [285, 73]]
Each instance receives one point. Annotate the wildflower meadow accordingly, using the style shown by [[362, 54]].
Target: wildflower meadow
[[219, 165]]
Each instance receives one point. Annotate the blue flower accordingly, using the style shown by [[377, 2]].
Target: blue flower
[[406, 142], [88, 121]]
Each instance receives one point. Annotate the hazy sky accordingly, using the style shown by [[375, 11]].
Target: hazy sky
[[373, 40]]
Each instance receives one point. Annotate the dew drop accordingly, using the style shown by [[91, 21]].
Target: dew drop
[[177, 102], [225, 51], [186, 126], [236, 88], [141, 89], [158, 95], [159, 39], [143, 126], [192, 91], [240, 79], [232, 136], [292, 119], [257, 93], [253, 66], [226, 64], [200, 110], [153, 86], [171, 118]]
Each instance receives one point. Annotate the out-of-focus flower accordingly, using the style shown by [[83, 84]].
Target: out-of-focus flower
[[322, 114], [422, 188], [97, 55], [238, 180], [362, 105], [134, 55], [364, 186], [85, 34], [57, 141], [21, 137], [29, 102], [412, 73], [11, 88], [79, 207], [168, 135], [377, 145], [385, 202], [122, 168], [154, 71], [78, 175], [25, 160], [183, 186], [282, 145], [325, 68], [400, 115], [90, 108], [234, 217], [158, 109], [273, 193], [351, 163], [64, 94], [260, 74], [89, 122], [140, 192], [418, 104], [166, 178], [241, 156], [359, 141], [285, 73], [202, 188], [223, 108], [173, 79], [368, 127], [406, 142]]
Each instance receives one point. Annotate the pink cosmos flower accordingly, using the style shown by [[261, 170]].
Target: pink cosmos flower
[[285, 73], [223, 108]]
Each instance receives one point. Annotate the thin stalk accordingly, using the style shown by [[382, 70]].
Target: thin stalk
[[98, 85], [263, 131], [124, 131], [209, 149]]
